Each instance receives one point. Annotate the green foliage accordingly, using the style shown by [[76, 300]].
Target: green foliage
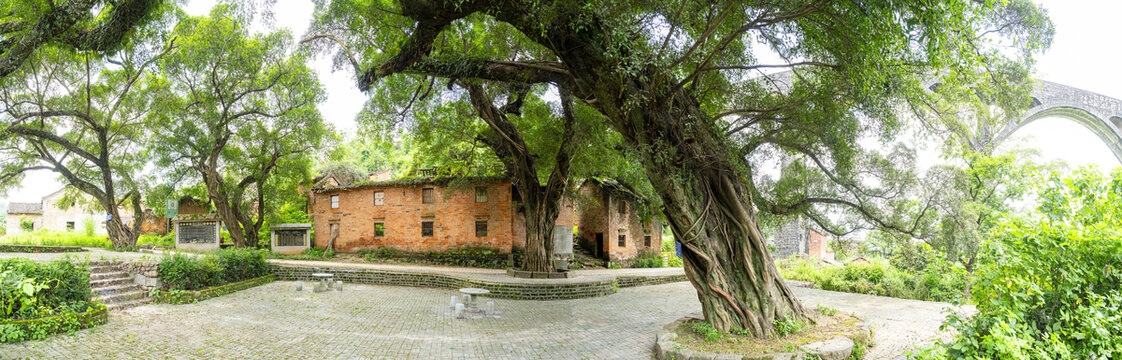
[[858, 351], [939, 281], [1049, 286], [648, 259], [706, 331], [68, 321], [26, 224], [468, 256], [672, 259], [826, 310], [166, 240], [89, 226], [788, 326], [247, 102], [33, 290], [57, 238], [185, 272]]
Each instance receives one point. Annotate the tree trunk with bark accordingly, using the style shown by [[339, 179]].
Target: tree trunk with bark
[[540, 204]]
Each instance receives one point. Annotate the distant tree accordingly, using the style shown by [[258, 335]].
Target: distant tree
[[86, 118], [99, 26], [241, 115]]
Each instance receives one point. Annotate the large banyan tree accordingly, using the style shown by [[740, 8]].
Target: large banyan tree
[[684, 83]]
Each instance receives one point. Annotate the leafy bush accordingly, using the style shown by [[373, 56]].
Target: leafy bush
[[786, 326], [242, 264], [938, 281], [165, 240], [30, 289], [89, 226], [1049, 286], [706, 331], [183, 272], [648, 259], [468, 256], [26, 224]]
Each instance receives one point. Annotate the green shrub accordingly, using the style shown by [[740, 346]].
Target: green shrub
[[31, 289], [182, 272], [1049, 286], [26, 224], [706, 331], [787, 326], [648, 259], [468, 256], [939, 281], [165, 240], [89, 226], [242, 264]]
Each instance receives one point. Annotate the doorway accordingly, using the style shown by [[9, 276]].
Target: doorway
[[600, 245]]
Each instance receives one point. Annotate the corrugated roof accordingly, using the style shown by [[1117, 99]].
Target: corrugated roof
[[25, 208]]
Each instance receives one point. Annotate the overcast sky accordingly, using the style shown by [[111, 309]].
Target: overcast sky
[[1083, 55]]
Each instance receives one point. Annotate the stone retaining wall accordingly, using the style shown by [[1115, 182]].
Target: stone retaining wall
[[143, 273], [512, 290]]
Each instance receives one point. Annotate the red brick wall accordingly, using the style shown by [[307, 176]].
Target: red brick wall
[[605, 217], [454, 213], [818, 246]]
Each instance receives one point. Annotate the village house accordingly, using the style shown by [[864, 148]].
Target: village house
[[611, 227], [426, 214], [47, 214]]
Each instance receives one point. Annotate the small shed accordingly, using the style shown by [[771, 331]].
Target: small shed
[[290, 238], [199, 234]]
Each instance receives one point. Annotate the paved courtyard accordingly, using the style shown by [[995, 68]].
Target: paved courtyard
[[381, 322]]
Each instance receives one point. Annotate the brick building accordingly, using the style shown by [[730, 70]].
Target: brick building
[[424, 214], [797, 238], [610, 226]]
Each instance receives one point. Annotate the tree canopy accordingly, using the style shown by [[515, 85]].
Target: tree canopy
[[682, 84]]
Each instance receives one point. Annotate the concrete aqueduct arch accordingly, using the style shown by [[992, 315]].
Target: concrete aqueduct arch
[[1098, 113]]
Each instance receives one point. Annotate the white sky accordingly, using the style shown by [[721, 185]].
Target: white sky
[[1082, 55]]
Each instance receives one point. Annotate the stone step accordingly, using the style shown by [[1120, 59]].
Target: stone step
[[97, 284], [103, 269], [110, 275], [128, 304], [116, 289], [102, 263], [124, 296]]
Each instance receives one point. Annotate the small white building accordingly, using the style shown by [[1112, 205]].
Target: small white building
[[46, 214]]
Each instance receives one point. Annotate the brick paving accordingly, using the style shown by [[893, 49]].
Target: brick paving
[[382, 322]]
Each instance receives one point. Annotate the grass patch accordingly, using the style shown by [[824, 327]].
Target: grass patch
[[701, 336], [57, 238]]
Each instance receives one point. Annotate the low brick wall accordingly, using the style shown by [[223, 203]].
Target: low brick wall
[[631, 281], [512, 290]]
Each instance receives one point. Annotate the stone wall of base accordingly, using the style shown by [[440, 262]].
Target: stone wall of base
[[511, 290]]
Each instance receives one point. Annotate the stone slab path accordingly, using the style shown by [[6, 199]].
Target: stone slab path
[[382, 322]]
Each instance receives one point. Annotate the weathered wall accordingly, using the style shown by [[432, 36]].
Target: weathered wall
[[13, 220], [790, 239], [613, 216], [453, 213]]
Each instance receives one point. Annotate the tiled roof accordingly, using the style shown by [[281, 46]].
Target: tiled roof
[[25, 208], [415, 182]]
